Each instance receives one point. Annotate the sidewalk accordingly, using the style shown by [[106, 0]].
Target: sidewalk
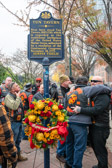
[[88, 161]]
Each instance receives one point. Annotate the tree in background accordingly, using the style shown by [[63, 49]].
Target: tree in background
[[20, 65], [81, 20]]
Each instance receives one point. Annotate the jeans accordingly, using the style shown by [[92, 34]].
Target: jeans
[[17, 131], [76, 144], [0, 166], [98, 137], [61, 148]]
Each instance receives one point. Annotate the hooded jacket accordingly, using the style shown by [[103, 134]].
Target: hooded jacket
[[100, 95]]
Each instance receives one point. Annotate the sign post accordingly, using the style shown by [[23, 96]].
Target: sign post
[[46, 45]]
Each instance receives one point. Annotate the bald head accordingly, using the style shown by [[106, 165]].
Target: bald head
[[97, 80], [42, 89], [8, 81]]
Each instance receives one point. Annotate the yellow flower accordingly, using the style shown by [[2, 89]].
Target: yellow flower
[[54, 132], [39, 112], [63, 114], [39, 136], [34, 102], [48, 125], [32, 118], [49, 108], [54, 107], [37, 146], [31, 112], [38, 119], [46, 108], [30, 129], [51, 136], [61, 118], [45, 140], [40, 105], [29, 139], [46, 134], [35, 111], [58, 112], [46, 101]]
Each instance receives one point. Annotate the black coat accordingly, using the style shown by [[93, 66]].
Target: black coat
[[100, 110], [37, 96]]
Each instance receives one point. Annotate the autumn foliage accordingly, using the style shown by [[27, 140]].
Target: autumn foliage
[[102, 36]]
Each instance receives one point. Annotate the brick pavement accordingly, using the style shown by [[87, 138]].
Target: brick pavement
[[89, 158], [88, 161]]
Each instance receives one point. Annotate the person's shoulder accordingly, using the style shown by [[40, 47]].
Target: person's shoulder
[[8, 96], [2, 110], [29, 94], [23, 93], [36, 94]]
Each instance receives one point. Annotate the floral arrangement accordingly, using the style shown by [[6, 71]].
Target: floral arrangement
[[42, 112]]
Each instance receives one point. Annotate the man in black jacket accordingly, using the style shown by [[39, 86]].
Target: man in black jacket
[[64, 88], [39, 95], [99, 131], [78, 124]]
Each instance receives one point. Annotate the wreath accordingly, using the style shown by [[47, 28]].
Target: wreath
[[51, 112]]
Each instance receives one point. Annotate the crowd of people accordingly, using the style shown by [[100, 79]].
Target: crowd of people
[[88, 118]]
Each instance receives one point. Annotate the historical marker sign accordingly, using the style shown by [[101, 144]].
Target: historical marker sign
[[46, 45], [46, 39]]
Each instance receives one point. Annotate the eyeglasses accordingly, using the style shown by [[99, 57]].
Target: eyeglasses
[[95, 81]]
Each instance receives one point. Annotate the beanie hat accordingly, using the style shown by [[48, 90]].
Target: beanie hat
[[38, 79], [63, 78]]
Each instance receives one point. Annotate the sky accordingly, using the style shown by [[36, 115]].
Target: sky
[[12, 37]]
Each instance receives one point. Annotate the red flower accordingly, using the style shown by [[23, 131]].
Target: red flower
[[65, 124], [31, 106], [26, 120], [59, 123], [50, 104], [62, 131], [44, 145], [42, 114], [60, 107], [48, 114], [50, 142], [43, 100]]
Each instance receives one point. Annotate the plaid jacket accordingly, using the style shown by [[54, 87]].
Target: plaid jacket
[[7, 146]]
